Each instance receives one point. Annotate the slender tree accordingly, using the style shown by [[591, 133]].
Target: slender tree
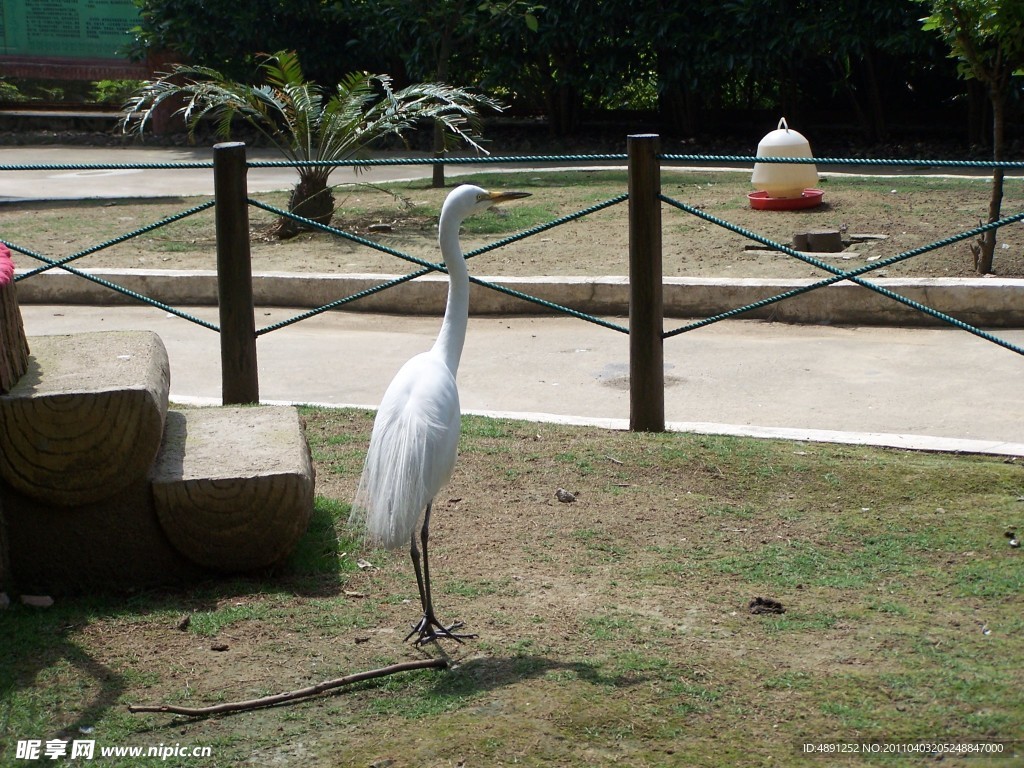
[[306, 122], [987, 39]]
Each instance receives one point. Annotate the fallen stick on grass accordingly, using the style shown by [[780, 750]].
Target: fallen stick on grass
[[280, 698]]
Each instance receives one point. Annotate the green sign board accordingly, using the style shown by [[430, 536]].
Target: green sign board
[[74, 29]]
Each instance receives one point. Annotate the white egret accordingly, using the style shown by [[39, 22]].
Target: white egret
[[415, 436]]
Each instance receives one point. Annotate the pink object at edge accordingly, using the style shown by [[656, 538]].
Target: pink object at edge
[[6, 266]]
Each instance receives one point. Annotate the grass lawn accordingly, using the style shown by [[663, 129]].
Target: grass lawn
[[613, 630]]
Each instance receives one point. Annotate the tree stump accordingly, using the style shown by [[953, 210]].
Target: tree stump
[[101, 488], [5, 559], [86, 419], [233, 487], [13, 344], [13, 364], [114, 545]]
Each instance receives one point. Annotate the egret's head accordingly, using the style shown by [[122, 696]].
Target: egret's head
[[466, 200]]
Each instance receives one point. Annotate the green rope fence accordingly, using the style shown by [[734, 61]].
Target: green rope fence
[[429, 266], [858, 161], [111, 286], [532, 161], [49, 263], [524, 159], [176, 166], [852, 275], [445, 160], [115, 241]]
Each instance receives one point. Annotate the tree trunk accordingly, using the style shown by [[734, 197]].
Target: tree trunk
[[984, 254], [875, 107], [312, 199], [437, 175], [563, 103], [444, 54], [678, 110]]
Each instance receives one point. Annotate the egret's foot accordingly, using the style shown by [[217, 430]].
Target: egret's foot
[[429, 630]]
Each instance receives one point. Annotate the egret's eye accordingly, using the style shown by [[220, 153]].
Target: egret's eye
[[481, 196]]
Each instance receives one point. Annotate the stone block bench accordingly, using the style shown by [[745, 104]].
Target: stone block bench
[[102, 487]]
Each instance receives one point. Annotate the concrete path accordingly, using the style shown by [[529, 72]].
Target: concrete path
[[926, 389], [72, 184]]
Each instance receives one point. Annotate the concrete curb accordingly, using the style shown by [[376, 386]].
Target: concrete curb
[[924, 443], [985, 302]]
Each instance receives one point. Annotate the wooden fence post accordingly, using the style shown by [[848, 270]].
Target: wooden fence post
[[646, 353], [239, 374]]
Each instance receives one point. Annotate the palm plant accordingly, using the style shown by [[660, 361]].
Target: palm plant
[[306, 122]]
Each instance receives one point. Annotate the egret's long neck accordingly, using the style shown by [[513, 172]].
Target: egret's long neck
[[456, 313]]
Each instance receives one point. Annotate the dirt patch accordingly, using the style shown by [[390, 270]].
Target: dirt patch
[[877, 219]]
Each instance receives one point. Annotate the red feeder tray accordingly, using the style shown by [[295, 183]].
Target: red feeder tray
[[809, 198]]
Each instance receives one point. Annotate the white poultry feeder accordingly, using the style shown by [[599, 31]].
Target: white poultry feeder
[[784, 186]]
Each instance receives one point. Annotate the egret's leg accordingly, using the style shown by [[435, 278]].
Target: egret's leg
[[415, 555], [428, 602], [428, 628]]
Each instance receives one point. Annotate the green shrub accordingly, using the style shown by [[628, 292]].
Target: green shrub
[[114, 92]]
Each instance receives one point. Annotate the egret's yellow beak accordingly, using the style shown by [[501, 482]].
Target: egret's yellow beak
[[500, 197]]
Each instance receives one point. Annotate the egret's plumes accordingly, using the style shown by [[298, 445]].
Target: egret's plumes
[[415, 436], [412, 450]]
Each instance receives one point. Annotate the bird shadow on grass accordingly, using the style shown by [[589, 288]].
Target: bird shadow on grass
[[487, 674]]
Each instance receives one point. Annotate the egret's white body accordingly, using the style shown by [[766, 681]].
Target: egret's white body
[[415, 436], [412, 449]]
